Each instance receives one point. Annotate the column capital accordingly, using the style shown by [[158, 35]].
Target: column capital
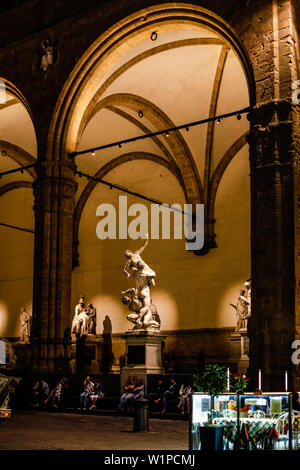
[[271, 111], [271, 136]]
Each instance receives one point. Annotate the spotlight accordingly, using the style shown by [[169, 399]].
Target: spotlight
[[167, 134], [154, 36], [3, 153], [187, 129], [120, 145], [239, 117], [141, 114], [93, 153], [218, 121], [22, 171]]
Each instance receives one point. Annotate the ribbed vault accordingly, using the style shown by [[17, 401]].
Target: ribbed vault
[[138, 96]]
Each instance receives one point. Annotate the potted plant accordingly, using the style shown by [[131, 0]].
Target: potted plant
[[213, 382]]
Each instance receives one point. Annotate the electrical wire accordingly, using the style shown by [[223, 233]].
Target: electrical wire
[[164, 131]]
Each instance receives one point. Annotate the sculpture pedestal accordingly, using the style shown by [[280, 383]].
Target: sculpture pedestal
[[143, 355], [239, 348], [85, 354]]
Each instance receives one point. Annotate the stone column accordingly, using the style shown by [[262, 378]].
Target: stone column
[[54, 191], [273, 161]]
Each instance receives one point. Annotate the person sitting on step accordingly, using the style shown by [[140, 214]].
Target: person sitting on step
[[98, 393], [169, 394]]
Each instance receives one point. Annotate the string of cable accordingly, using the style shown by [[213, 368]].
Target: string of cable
[[165, 132], [128, 191], [119, 143]]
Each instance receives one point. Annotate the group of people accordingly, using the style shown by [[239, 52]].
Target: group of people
[[164, 395], [41, 394], [133, 390], [92, 391]]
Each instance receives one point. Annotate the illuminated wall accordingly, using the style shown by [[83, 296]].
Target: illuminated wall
[[191, 292]]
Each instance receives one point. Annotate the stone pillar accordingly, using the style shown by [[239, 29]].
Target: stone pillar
[[54, 191], [273, 161]]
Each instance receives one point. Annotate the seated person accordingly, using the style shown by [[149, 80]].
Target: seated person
[[88, 389], [169, 394], [184, 394], [127, 395], [98, 393], [138, 391], [156, 395], [57, 394], [40, 392]]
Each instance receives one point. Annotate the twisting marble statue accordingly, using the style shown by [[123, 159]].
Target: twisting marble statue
[[138, 299]]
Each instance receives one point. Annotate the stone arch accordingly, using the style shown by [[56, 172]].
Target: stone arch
[[55, 187], [11, 89], [156, 50], [19, 155], [182, 155], [18, 144], [101, 173], [82, 83], [14, 185]]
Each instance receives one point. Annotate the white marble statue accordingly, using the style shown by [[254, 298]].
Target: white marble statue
[[247, 284], [149, 320], [138, 299], [25, 325], [243, 307], [91, 326], [84, 321], [80, 320]]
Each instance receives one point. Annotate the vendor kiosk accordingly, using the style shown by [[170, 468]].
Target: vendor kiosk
[[248, 421]]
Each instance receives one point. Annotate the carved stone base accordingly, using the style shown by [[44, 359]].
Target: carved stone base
[[239, 347], [86, 354], [143, 355]]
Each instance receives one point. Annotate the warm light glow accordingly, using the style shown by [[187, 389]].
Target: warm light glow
[[3, 317], [228, 379], [286, 381], [259, 379]]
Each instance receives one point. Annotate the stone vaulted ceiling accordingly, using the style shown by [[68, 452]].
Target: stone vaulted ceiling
[[180, 77]]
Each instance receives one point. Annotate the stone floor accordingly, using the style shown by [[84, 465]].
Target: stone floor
[[38, 430]]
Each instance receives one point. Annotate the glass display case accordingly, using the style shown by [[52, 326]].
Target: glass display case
[[249, 421], [200, 415]]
